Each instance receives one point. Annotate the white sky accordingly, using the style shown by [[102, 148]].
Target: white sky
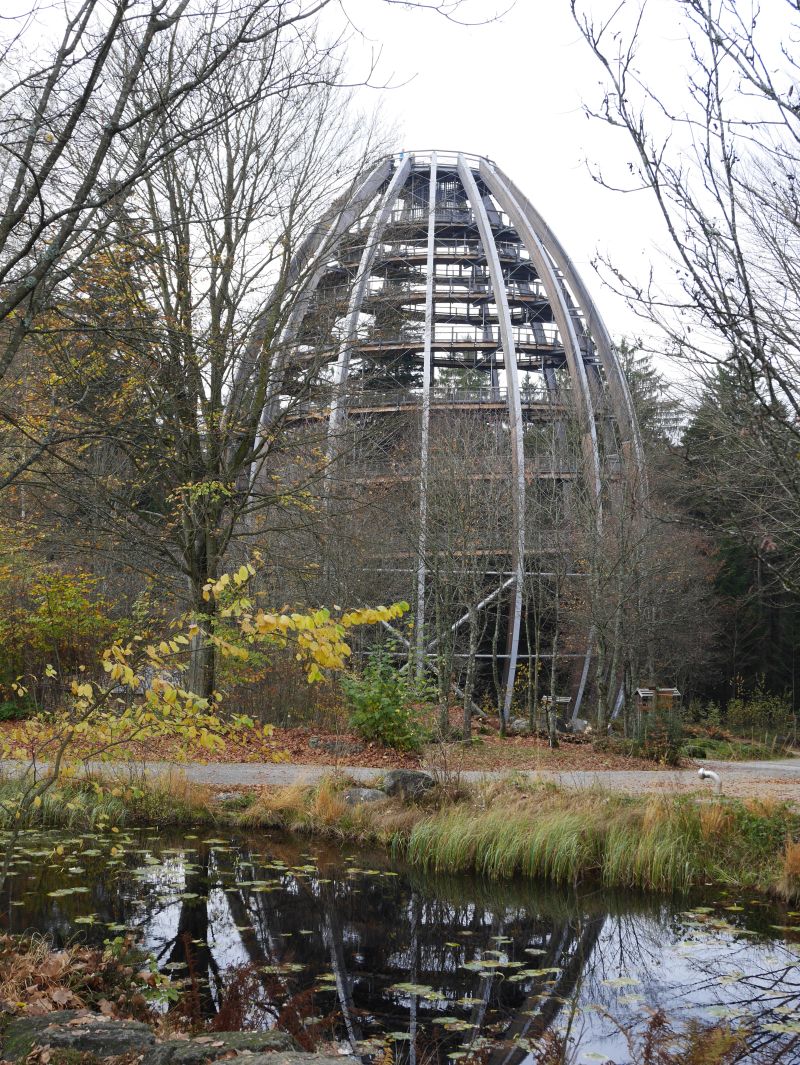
[[514, 91]]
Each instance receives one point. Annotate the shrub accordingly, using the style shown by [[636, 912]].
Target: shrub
[[55, 617], [762, 711], [385, 703], [708, 715], [660, 737], [695, 750], [16, 709]]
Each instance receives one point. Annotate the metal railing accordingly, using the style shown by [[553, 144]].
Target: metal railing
[[544, 335], [443, 288], [482, 466], [444, 157], [446, 395], [412, 250], [443, 215]]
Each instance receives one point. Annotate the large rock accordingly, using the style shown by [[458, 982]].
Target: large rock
[[336, 746], [356, 796], [78, 1032], [207, 1048], [75, 1030], [407, 783], [296, 1058], [519, 726], [578, 725]]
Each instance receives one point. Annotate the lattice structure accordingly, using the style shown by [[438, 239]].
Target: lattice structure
[[439, 287]]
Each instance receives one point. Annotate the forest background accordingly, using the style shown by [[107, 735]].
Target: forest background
[[162, 164]]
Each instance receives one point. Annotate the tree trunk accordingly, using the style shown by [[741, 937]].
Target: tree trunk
[[552, 710], [201, 674], [498, 684], [470, 679]]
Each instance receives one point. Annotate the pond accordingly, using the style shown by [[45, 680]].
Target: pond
[[342, 946]]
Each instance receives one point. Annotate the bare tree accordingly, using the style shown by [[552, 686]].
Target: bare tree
[[188, 380], [721, 160], [110, 99]]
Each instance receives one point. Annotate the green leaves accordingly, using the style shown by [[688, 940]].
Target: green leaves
[[383, 703]]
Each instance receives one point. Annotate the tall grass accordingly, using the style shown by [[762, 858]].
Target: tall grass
[[507, 829], [662, 844], [89, 802], [501, 830]]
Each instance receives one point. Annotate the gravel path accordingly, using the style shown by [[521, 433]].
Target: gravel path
[[778, 779]]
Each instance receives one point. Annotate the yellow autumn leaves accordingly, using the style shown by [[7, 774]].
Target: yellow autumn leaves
[[142, 697]]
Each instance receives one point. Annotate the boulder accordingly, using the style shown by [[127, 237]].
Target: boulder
[[407, 783], [91, 1036], [293, 1058], [578, 725], [336, 746], [356, 796], [75, 1030], [208, 1048], [518, 726]]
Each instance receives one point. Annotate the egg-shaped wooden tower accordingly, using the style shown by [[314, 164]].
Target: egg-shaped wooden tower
[[446, 308]]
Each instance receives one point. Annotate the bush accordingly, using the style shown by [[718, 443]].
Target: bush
[[695, 750], [54, 617], [707, 714], [384, 704], [761, 712], [660, 737], [16, 710]]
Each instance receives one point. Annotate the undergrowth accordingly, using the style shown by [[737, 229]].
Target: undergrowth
[[498, 829], [92, 802], [660, 843], [37, 977]]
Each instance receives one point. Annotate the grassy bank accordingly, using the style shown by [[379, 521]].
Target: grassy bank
[[662, 843], [510, 828], [91, 803]]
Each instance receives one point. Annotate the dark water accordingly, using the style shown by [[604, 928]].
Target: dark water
[[341, 946]]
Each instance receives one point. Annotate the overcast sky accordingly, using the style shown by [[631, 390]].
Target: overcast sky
[[514, 91]]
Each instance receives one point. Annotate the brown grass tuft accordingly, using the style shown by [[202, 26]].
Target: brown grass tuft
[[277, 806], [656, 813], [328, 805], [714, 820], [788, 885], [763, 806], [791, 858]]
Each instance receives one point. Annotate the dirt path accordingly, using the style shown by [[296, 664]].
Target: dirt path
[[778, 780]]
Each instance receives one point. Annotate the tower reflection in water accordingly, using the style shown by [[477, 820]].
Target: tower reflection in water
[[448, 969]]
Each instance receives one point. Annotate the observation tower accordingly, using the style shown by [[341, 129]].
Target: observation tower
[[458, 346]]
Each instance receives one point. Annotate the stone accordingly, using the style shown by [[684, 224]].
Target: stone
[[293, 1058], [356, 796], [519, 726], [579, 725], [75, 1030], [336, 746], [220, 1044], [407, 783]]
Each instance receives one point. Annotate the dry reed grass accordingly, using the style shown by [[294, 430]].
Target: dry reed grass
[[515, 827], [714, 819], [788, 885]]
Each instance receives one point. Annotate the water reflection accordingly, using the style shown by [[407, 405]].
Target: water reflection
[[262, 932]]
